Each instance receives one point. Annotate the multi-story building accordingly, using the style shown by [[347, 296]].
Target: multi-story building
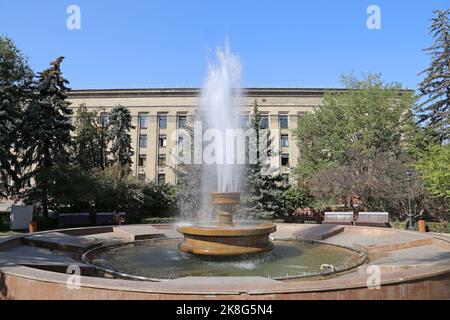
[[158, 113]]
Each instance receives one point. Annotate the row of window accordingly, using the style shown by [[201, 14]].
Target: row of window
[[162, 140], [142, 161], [264, 122], [162, 178], [162, 121], [244, 122], [162, 160], [182, 121]]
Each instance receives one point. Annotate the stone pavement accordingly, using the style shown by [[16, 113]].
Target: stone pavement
[[60, 241], [139, 232]]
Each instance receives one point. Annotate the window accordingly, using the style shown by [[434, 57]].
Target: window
[[143, 121], [141, 177], [284, 121], [162, 140], [285, 159], [285, 179], [162, 122], [142, 160], [264, 121], [244, 121], [162, 160], [161, 178], [104, 119], [180, 139], [182, 122], [143, 140], [285, 140]]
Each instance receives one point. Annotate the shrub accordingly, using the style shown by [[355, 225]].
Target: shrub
[[438, 227], [296, 198], [4, 222], [158, 220], [44, 224]]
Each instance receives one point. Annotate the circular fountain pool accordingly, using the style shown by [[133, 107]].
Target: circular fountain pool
[[162, 260]]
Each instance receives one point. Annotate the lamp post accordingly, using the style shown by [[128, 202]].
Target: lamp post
[[410, 216]]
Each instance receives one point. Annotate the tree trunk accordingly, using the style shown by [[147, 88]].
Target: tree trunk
[[44, 199]]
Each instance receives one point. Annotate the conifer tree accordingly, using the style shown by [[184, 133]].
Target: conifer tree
[[46, 130], [15, 84], [120, 138], [435, 110], [264, 194]]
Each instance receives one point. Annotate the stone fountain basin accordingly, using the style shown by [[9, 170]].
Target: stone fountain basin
[[226, 240]]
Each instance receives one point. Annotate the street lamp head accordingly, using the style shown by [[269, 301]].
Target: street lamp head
[[408, 174]]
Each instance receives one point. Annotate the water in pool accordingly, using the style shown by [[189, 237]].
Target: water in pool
[[163, 260]]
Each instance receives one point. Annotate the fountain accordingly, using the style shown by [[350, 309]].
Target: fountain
[[217, 245], [226, 239]]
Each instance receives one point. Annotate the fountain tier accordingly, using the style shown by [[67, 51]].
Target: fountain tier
[[226, 239]]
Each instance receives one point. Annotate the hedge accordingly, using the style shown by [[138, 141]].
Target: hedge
[[438, 227], [158, 220], [4, 222]]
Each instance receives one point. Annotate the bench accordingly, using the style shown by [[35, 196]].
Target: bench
[[340, 218], [106, 218], [74, 220], [373, 219]]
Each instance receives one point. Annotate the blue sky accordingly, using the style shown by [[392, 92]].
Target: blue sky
[[290, 43]]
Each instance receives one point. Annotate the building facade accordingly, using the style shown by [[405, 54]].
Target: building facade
[[158, 113]]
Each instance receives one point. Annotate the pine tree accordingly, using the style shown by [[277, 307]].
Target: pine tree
[[264, 195], [120, 138], [90, 140], [46, 135], [435, 110], [15, 84]]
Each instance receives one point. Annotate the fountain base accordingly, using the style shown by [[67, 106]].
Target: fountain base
[[226, 241]]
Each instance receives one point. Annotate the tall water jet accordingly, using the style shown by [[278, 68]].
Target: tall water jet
[[219, 106]]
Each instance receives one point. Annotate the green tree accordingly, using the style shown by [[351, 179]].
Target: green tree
[[90, 140], [159, 196], [68, 187], [120, 138], [375, 182], [367, 118], [263, 195], [296, 198], [434, 167], [15, 86], [46, 129], [435, 88]]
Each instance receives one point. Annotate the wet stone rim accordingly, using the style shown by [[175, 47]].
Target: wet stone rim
[[88, 255]]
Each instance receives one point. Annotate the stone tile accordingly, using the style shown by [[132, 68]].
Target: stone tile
[[60, 241], [139, 232], [319, 232]]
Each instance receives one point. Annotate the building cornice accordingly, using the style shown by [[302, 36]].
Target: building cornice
[[195, 92]]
